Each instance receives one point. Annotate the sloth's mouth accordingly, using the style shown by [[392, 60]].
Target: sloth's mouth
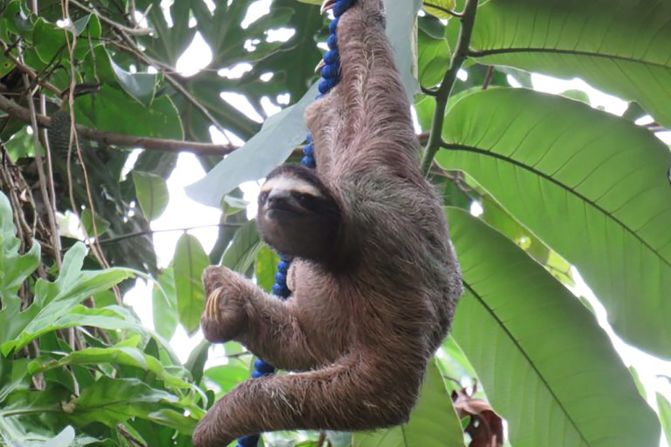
[[279, 210]]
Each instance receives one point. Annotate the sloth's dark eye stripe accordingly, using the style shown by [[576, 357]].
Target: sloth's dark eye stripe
[[307, 200]]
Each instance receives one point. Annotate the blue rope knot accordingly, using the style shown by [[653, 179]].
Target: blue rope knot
[[330, 76]]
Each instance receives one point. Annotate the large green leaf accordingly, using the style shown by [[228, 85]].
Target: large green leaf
[[77, 316], [120, 113], [15, 268], [54, 302], [593, 187], [665, 415], [620, 46], [546, 365], [189, 263], [117, 355], [433, 422], [112, 401]]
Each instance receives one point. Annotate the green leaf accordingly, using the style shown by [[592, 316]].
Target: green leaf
[[266, 265], [115, 355], [122, 114], [665, 415], [140, 86], [101, 226], [49, 40], [189, 263], [152, 193], [174, 419], [164, 304], [227, 377], [54, 303], [434, 58], [240, 255], [591, 186], [14, 267], [76, 316], [621, 48], [433, 422], [540, 355], [113, 401], [440, 8]]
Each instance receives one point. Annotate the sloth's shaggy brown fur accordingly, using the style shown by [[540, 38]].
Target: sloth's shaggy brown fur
[[360, 335]]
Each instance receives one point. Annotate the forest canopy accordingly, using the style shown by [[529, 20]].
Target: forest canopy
[[545, 129]]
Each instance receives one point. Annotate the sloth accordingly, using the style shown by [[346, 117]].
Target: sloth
[[374, 277]]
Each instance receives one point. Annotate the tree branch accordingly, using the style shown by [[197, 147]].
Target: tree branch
[[27, 70], [111, 138], [446, 86]]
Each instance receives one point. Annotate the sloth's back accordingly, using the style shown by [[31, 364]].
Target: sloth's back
[[398, 297]]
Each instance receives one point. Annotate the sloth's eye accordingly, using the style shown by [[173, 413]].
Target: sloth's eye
[[263, 197], [306, 200]]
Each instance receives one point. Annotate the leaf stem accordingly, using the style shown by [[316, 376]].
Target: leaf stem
[[442, 9], [446, 86]]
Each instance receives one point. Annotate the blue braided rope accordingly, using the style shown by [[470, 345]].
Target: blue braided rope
[[330, 76]]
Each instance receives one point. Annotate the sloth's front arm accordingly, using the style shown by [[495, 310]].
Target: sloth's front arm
[[237, 309]]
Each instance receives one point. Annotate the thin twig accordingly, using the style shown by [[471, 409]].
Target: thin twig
[[488, 77], [132, 31], [124, 237], [51, 214], [116, 139], [23, 68], [446, 86]]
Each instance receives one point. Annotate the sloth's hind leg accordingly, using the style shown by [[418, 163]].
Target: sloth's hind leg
[[349, 395]]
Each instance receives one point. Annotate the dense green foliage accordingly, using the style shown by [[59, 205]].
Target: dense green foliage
[[560, 184]]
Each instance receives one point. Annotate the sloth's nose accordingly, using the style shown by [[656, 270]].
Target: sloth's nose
[[278, 198]]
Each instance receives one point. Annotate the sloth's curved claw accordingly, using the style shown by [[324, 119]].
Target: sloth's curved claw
[[212, 305], [319, 66], [327, 5]]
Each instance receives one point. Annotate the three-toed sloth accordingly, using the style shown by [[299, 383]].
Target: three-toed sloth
[[374, 278]]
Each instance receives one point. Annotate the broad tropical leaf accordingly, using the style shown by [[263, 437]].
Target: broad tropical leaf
[[621, 47], [537, 350], [55, 303], [593, 187]]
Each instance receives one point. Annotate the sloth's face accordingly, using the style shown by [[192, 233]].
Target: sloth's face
[[286, 198], [297, 215]]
